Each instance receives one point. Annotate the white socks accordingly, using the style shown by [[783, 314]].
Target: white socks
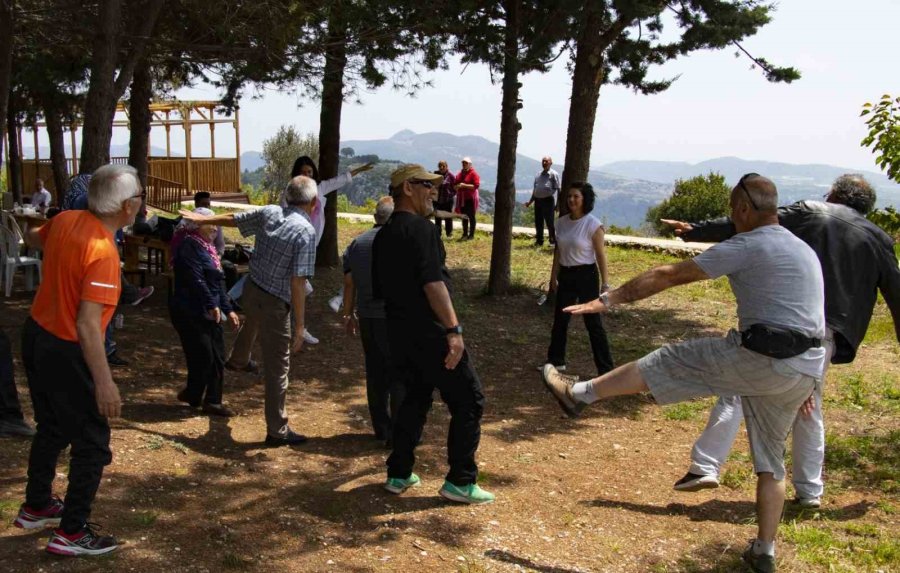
[[584, 392], [764, 547]]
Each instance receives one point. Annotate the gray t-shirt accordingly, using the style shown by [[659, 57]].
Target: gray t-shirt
[[358, 262], [777, 281], [546, 184]]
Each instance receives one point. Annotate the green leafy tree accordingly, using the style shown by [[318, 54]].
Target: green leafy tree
[[695, 199], [884, 133], [279, 153]]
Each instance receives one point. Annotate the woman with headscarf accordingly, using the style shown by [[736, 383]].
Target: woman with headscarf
[[198, 306]]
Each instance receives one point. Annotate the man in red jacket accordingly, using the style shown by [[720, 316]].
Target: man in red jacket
[[467, 184]]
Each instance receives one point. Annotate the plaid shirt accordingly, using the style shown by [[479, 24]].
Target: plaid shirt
[[285, 247]]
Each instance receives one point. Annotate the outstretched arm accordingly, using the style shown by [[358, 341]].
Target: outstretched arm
[[644, 286], [226, 220]]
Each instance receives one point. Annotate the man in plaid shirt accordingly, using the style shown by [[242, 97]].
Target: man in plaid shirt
[[284, 257]]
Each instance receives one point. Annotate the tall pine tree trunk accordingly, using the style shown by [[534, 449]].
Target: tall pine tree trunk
[[15, 154], [505, 198], [330, 133], [6, 45], [56, 134], [100, 103], [139, 129]]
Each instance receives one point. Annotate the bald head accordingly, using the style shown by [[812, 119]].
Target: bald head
[[758, 192]]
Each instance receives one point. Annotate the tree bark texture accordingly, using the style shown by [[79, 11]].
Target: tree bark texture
[[505, 192], [14, 183], [587, 78], [106, 87], [58, 162], [330, 135], [139, 128], [6, 45]]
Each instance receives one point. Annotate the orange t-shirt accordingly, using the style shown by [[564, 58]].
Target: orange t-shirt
[[81, 262]]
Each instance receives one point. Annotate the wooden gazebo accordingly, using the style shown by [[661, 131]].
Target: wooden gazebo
[[170, 179]]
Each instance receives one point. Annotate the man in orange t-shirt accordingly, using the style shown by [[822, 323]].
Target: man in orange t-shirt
[[72, 389]]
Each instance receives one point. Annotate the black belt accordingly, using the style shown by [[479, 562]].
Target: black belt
[[777, 342]]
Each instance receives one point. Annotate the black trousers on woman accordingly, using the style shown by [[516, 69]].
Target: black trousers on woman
[[577, 285], [468, 225], [448, 223], [204, 349]]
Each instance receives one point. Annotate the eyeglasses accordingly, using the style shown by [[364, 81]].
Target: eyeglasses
[[742, 186], [425, 184]]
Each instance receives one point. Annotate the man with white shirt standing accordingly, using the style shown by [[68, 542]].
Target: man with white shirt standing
[[774, 360], [546, 186], [41, 198]]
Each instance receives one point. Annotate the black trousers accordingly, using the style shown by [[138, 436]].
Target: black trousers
[[420, 360], [65, 409], [10, 409], [468, 226], [544, 211], [384, 387], [448, 223], [577, 285], [204, 350]]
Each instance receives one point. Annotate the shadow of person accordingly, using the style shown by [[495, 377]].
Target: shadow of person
[[507, 557], [154, 412], [711, 510]]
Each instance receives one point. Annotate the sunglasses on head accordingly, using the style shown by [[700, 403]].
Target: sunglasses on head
[[744, 187]]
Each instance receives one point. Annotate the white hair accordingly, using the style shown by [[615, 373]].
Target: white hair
[[301, 190], [383, 211], [110, 186]]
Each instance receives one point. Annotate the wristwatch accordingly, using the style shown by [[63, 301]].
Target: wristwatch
[[604, 298], [453, 330]]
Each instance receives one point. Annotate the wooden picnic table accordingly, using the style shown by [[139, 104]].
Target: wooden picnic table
[[132, 249], [26, 221]]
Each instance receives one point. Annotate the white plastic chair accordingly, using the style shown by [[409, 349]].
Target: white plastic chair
[[11, 260]]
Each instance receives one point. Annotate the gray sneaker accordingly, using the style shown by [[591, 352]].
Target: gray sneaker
[[758, 563], [560, 386], [809, 502], [15, 428]]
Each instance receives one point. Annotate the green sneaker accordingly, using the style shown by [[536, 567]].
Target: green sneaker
[[398, 486], [471, 493]]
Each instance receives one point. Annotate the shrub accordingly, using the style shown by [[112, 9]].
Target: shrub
[[694, 199], [888, 219]]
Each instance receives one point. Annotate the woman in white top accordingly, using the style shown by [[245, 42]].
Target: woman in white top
[[579, 264]]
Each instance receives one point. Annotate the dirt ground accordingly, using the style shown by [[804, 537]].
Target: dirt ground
[[190, 493]]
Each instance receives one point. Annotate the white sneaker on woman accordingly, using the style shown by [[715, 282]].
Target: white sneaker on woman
[[309, 338]]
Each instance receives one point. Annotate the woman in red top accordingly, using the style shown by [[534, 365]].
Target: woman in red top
[[467, 184]]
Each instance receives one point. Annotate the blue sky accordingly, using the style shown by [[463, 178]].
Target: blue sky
[[846, 52]]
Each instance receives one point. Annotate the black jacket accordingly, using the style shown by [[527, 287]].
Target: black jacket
[[857, 260]]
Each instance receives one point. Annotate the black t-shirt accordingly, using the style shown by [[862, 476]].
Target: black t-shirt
[[407, 254]]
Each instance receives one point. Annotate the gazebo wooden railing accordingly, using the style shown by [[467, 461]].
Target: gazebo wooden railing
[[164, 194]]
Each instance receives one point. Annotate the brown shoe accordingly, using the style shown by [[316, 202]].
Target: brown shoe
[[560, 386], [216, 410]]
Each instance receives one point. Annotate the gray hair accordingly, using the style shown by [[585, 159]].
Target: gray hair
[[301, 190], [852, 190], [383, 210], [110, 186]]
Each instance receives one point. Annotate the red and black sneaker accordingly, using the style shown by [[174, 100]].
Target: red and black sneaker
[[30, 518], [83, 542]]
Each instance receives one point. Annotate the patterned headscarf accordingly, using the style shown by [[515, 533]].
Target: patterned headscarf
[[78, 188], [190, 231]]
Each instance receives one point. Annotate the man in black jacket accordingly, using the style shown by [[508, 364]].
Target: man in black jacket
[[857, 260]]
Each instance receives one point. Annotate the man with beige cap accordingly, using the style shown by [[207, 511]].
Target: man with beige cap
[[425, 338]]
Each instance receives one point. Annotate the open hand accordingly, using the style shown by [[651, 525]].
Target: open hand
[[455, 350], [594, 307], [235, 320], [351, 324], [109, 403], [214, 315], [808, 406], [680, 227], [297, 343]]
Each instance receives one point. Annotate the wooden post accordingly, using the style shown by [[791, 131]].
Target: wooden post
[[186, 119], [37, 153], [237, 147], [168, 137]]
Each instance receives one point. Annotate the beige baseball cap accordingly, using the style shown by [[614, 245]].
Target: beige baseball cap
[[412, 171]]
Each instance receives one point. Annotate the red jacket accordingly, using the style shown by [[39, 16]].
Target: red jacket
[[463, 196]]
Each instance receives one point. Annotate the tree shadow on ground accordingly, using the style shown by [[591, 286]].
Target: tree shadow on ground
[[525, 562], [725, 511], [716, 557]]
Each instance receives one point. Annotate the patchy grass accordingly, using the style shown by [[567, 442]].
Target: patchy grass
[[870, 460], [693, 410], [848, 548]]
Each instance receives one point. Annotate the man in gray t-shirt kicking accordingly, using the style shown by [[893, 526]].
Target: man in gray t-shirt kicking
[[773, 361]]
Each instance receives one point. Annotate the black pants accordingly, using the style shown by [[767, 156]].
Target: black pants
[[204, 350], [468, 226], [448, 223], [420, 360], [384, 387], [577, 285], [544, 211], [10, 409], [65, 409]]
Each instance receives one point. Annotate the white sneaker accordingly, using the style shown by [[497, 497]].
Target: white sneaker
[[309, 338], [809, 502], [696, 482]]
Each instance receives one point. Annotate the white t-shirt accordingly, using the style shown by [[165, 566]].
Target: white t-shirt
[[573, 239]]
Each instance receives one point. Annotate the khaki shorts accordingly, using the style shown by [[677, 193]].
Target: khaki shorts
[[771, 393]]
